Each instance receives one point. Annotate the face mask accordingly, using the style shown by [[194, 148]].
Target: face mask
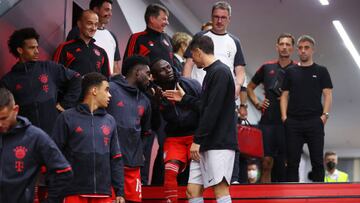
[[330, 165], [252, 174]]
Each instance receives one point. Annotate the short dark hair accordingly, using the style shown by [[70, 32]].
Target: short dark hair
[[154, 10], [286, 35], [156, 60], [204, 43], [85, 12], [90, 80], [18, 38], [6, 98], [131, 62], [252, 161], [98, 3], [222, 5], [306, 38]]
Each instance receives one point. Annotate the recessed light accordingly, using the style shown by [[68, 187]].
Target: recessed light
[[347, 41], [324, 2]]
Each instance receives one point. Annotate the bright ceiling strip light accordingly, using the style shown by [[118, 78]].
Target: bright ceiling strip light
[[347, 41], [324, 2]]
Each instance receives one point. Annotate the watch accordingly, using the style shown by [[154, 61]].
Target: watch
[[244, 105], [326, 114]]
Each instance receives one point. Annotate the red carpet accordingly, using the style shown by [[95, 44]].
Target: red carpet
[[270, 193]]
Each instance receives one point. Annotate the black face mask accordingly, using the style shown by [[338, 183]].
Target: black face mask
[[330, 165]]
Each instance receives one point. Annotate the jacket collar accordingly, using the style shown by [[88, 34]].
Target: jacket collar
[[84, 108], [21, 124]]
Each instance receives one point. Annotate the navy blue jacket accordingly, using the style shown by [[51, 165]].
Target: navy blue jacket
[[181, 118], [132, 112], [217, 123], [23, 150], [36, 86], [89, 141]]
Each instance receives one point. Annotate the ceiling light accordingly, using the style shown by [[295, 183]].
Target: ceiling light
[[324, 2], [347, 41]]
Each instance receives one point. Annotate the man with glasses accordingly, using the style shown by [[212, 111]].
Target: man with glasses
[[228, 50], [226, 46]]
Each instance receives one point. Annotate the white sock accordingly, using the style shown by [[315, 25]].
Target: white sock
[[224, 199], [196, 200]]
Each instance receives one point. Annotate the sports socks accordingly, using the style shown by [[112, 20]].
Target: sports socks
[[224, 199], [196, 200], [170, 182]]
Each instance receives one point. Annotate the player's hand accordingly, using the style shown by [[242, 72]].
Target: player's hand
[[174, 95], [323, 119], [59, 107], [237, 91], [195, 152], [263, 105], [242, 112], [119, 199]]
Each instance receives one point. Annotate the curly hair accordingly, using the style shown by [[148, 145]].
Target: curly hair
[[18, 37]]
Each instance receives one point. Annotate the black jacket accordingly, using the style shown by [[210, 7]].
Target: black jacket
[[89, 141], [23, 151], [217, 125], [151, 44], [83, 58], [132, 112], [181, 118], [36, 86]]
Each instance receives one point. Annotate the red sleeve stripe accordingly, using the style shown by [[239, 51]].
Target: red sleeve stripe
[[132, 42], [108, 64], [69, 62], [43, 169], [117, 156], [59, 50], [64, 170]]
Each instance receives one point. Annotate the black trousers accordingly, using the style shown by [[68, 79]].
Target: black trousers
[[298, 132], [275, 147]]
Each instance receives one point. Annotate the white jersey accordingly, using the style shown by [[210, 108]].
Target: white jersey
[[227, 49], [105, 40]]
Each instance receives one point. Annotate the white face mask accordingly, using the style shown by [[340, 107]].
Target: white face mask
[[252, 174]]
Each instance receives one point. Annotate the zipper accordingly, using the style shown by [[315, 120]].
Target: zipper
[[36, 103], [1, 164], [94, 155], [37, 113]]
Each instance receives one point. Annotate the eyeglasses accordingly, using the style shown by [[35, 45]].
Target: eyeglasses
[[220, 17]]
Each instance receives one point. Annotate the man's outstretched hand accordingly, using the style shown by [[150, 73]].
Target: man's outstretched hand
[[174, 95]]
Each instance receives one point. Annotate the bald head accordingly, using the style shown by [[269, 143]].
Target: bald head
[[87, 24]]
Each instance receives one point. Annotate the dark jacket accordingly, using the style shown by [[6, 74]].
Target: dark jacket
[[217, 125], [83, 58], [132, 112], [181, 119], [89, 141], [151, 44], [23, 151], [36, 86], [271, 75]]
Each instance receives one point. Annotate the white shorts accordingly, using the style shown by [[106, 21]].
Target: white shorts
[[213, 167]]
